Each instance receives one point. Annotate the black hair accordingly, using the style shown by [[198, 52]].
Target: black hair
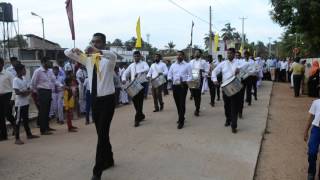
[[158, 54], [13, 58], [209, 57], [180, 52], [233, 50], [55, 68], [136, 53], [19, 67], [297, 59], [238, 52], [44, 59], [219, 56], [246, 53], [101, 35]]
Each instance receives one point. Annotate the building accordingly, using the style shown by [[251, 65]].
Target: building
[[125, 56]]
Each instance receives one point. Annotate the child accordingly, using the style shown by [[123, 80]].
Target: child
[[314, 138], [22, 91], [69, 103]]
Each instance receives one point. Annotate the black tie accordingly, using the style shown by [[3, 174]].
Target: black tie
[[94, 82]]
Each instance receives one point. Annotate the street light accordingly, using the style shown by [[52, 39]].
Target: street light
[[43, 37]]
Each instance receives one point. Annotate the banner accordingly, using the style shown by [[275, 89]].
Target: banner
[[138, 31], [70, 17]]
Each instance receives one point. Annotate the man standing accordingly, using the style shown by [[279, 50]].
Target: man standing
[[137, 69], [229, 68], [41, 83], [6, 80], [198, 65], [158, 68], [283, 70], [250, 81], [100, 66], [179, 73]]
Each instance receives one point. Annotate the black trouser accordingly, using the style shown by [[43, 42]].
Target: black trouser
[[22, 113], [254, 86], [4, 108], [9, 113], [102, 114], [196, 93], [283, 75], [179, 95], [157, 97], [241, 98], [231, 108], [165, 88], [296, 84], [44, 98], [289, 76], [212, 89], [277, 75], [117, 95], [249, 83], [138, 105]]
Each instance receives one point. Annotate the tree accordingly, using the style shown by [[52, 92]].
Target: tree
[[301, 19], [228, 32], [130, 44], [16, 41], [117, 42], [170, 46]]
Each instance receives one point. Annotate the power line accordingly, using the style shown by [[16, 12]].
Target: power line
[[187, 11]]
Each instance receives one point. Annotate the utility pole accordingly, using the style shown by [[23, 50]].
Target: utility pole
[[210, 32], [148, 38], [242, 39], [269, 46]]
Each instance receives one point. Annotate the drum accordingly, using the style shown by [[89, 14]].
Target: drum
[[142, 77], [133, 88], [244, 73], [194, 83], [158, 81], [232, 86]]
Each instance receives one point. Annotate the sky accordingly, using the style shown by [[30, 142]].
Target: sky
[[163, 20]]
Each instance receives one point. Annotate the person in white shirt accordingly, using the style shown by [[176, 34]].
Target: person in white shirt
[[179, 73], [6, 79], [242, 64], [214, 89], [135, 70], [249, 82], [229, 68], [124, 99], [57, 96], [22, 91], [314, 138], [283, 70], [198, 64], [100, 65], [158, 68], [81, 76], [13, 61]]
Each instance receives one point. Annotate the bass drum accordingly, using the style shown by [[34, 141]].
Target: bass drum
[[232, 86]]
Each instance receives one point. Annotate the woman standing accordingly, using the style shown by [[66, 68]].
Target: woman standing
[[297, 70], [313, 80]]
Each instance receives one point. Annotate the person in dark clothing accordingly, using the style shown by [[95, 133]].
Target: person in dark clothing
[[313, 80]]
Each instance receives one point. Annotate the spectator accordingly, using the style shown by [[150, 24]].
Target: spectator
[[298, 72], [68, 99]]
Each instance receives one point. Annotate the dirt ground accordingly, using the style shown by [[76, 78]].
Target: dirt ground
[[284, 153]]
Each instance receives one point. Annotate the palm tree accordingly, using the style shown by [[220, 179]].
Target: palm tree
[[170, 46], [207, 39], [228, 32], [117, 42]]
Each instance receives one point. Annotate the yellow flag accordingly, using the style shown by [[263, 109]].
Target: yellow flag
[[241, 49], [138, 31], [216, 42]]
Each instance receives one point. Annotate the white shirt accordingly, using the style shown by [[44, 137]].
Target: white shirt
[[81, 76], [135, 68], [284, 65], [315, 110], [199, 64], [105, 85], [68, 67], [157, 68], [6, 79], [86, 84], [21, 85], [11, 70], [253, 67], [227, 69], [180, 72]]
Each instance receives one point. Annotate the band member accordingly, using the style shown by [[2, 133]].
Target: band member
[[179, 73], [100, 66], [158, 68], [198, 65], [241, 62], [229, 68], [137, 70], [214, 89], [250, 81]]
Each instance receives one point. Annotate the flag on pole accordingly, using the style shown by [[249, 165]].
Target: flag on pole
[[216, 42], [70, 17], [191, 33], [138, 31], [241, 50]]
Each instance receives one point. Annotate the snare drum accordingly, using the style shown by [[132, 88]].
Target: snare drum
[[158, 81], [142, 77], [232, 86], [133, 88], [195, 80]]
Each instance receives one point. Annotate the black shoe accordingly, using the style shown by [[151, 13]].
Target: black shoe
[[33, 137], [218, 99], [234, 130], [249, 103], [240, 115], [143, 117], [255, 98], [136, 123], [311, 177], [212, 104], [227, 124], [156, 110], [46, 133], [108, 165], [51, 129], [196, 113], [180, 125], [95, 177], [161, 107]]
